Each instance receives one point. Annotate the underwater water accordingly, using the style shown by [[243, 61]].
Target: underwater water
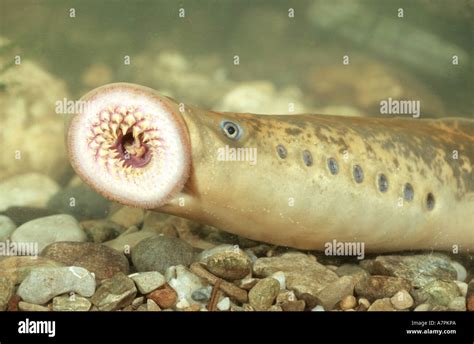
[[273, 229]]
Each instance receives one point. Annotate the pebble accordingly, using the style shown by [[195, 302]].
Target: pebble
[[103, 261], [248, 283], [154, 222], [349, 302], [424, 307], [128, 216], [264, 293], [165, 296], [16, 268], [318, 308], [7, 226], [280, 277], [227, 261], [6, 292], [458, 304], [21, 215], [356, 271], [224, 304], [81, 202], [470, 296], [381, 305], [99, 231], [202, 295], [184, 282], [182, 304], [461, 272], [379, 287], [364, 303], [148, 281], [42, 284], [115, 293], [304, 275], [402, 300], [72, 303], [418, 269], [293, 306], [437, 293], [138, 301], [31, 307], [285, 296], [47, 230], [127, 241], [151, 306], [31, 189], [462, 287], [230, 289], [159, 253], [335, 292]]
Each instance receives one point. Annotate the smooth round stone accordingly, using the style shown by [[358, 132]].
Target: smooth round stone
[[224, 304], [30, 189], [402, 300], [227, 261], [7, 226], [81, 202], [42, 284], [158, 253], [264, 293], [99, 259], [349, 302], [47, 230]]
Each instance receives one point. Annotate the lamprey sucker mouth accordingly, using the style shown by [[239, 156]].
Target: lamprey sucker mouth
[[130, 145]]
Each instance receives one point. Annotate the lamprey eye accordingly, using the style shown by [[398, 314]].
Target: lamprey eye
[[232, 130]]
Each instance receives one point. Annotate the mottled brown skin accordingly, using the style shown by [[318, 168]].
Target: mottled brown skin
[[286, 202]]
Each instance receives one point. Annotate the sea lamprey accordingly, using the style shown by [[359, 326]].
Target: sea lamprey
[[389, 183]]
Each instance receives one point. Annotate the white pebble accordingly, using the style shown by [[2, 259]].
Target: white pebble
[[318, 308], [460, 270], [182, 304], [280, 277], [462, 286], [224, 304]]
